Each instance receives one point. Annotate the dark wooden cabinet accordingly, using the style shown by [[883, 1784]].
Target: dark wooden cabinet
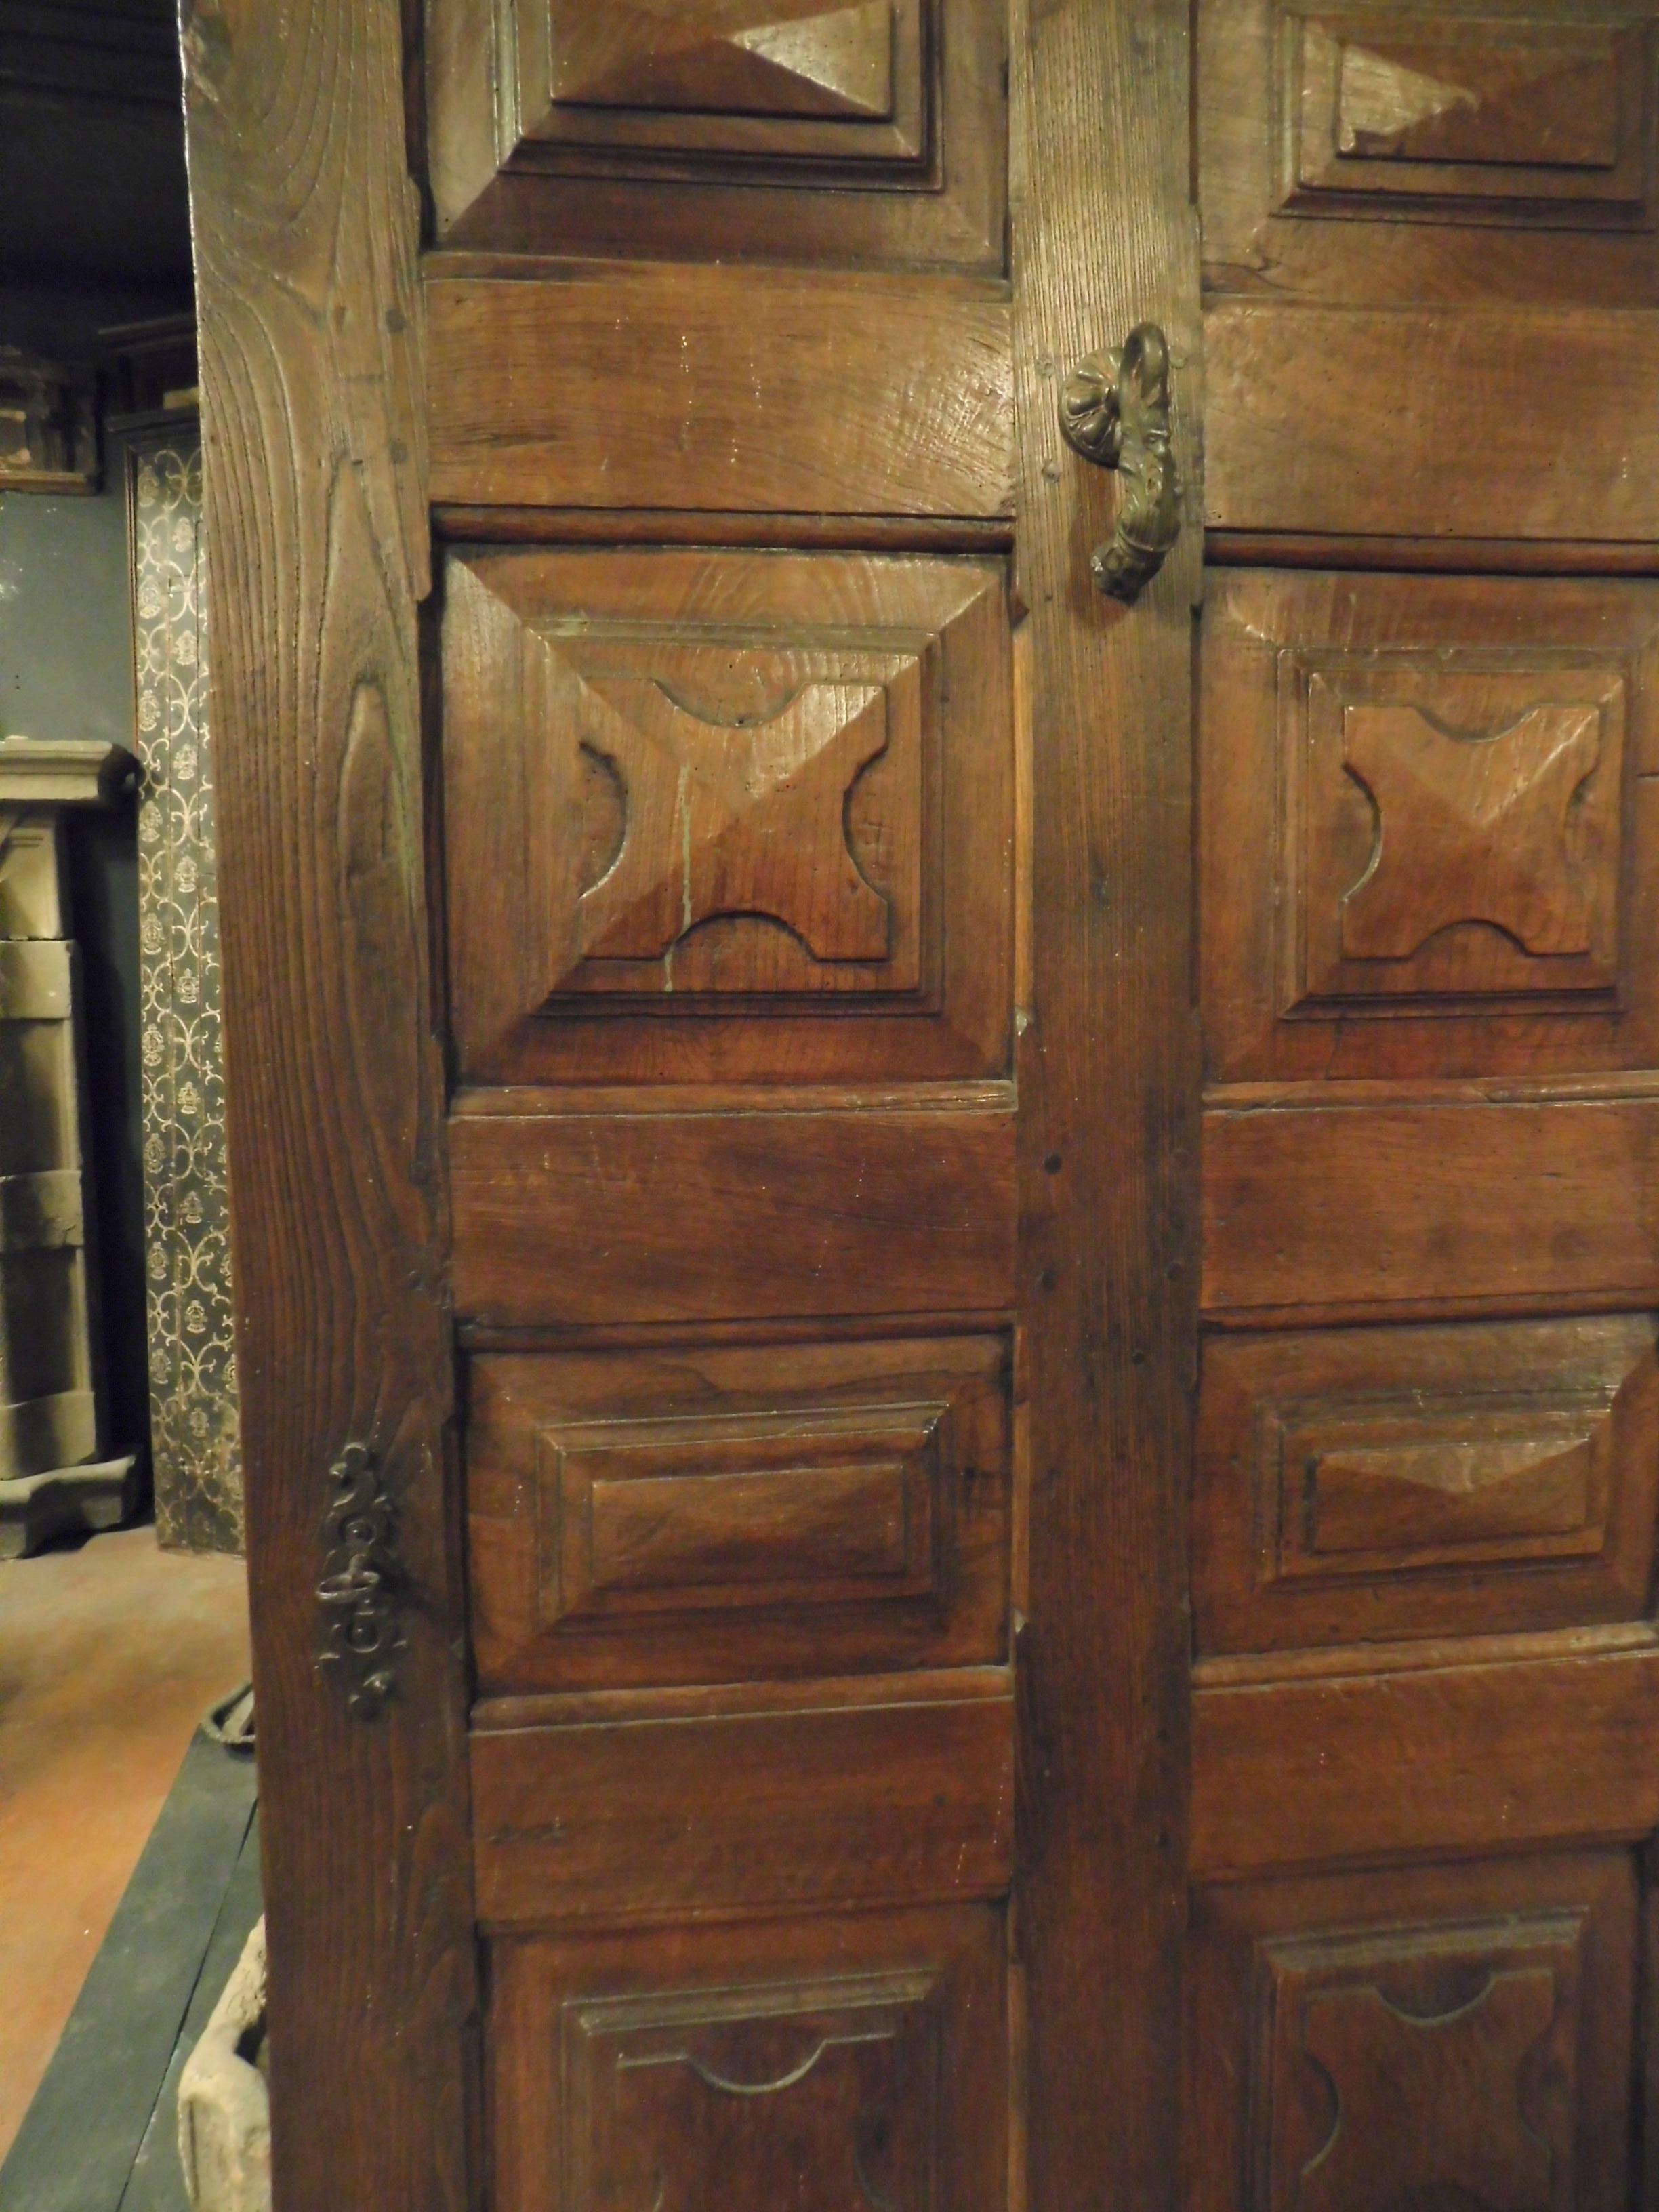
[[949, 1285]]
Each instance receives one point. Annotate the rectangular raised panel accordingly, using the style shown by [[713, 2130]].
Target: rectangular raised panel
[[678, 1816], [701, 1515], [1426, 1485], [1428, 837], [1559, 1741], [1393, 112], [1354, 1485], [1445, 2035], [835, 395], [658, 1515], [697, 803], [782, 81], [1456, 143], [828, 2063], [1466, 416], [1483, 1206], [861, 133]]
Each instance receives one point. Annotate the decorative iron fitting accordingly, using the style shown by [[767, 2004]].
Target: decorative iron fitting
[[1114, 411], [362, 1589]]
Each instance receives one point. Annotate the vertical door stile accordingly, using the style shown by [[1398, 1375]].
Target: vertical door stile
[[1105, 239]]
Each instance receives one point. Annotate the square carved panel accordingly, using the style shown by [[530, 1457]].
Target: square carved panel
[[1436, 2036], [835, 2065], [816, 131], [1399, 111], [1426, 827], [1455, 2036], [707, 1515], [720, 814], [1361, 1483], [1452, 823]]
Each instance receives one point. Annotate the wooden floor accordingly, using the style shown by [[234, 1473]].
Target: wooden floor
[[109, 1655]]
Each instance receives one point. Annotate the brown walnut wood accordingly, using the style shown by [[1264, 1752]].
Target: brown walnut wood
[[315, 521], [920, 1042]]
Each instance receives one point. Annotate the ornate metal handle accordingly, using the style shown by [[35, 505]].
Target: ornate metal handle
[[361, 1593], [1114, 411]]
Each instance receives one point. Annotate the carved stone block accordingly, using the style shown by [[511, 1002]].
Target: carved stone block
[[52, 1475]]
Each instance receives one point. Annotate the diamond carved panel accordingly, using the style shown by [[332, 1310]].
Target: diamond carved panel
[[742, 58], [1393, 112], [1359, 1485], [1401, 2066], [1427, 827], [783, 80], [732, 819], [685, 789], [1457, 821], [1441, 2037]]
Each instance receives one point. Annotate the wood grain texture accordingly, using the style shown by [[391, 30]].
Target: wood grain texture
[[1358, 1485], [558, 667], [1104, 237], [1387, 1206], [700, 1217], [315, 525], [727, 166], [833, 1506], [1296, 845], [1446, 231], [718, 388], [1475, 2019], [602, 2046], [681, 1819], [1453, 397], [1547, 1746]]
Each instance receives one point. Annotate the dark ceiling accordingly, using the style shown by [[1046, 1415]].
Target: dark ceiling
[[91, 148]]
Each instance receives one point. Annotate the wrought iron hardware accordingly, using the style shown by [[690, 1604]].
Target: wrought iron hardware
[[362, 1592], [1114, 411]]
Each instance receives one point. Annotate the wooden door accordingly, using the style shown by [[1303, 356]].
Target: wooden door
[[948, 1282]]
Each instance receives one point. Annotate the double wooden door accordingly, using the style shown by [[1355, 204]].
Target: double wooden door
[[948, 1280]]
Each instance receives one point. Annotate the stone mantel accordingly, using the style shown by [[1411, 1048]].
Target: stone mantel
[[54, 1474]]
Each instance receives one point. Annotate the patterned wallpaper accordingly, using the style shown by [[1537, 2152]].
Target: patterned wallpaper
[[195, 1434]]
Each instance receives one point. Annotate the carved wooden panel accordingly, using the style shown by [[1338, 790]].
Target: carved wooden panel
[[836, 2066], [1427, 825], [701, 1511], [791, 80], [695, 800], [716, 129], [704, 1516], [1453, 145], [1434, 113], [1451, 828], [1457, 2036], [1360, 1484]]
